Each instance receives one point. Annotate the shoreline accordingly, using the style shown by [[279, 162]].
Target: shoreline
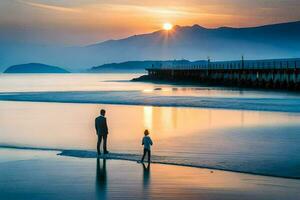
[[109, 157], [42, 175], [87, 154]]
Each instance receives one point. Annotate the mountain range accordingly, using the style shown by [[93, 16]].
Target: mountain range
[[182, 42], [139, 66]]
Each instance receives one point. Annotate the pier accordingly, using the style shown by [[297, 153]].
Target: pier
[[273, 74]]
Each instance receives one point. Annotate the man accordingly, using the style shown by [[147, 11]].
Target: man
[[102, 131]]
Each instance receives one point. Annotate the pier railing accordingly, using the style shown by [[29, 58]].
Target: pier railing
[[238, 64], [276, 74]]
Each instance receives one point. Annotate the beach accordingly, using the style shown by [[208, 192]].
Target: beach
[[44, 175], [209, 143], [247, 142]]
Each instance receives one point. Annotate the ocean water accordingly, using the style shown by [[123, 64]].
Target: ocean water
[[247, 131]]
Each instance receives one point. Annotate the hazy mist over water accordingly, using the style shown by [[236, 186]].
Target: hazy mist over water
[[181, 42]]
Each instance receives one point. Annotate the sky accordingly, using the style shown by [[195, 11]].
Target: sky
[[82, 22]]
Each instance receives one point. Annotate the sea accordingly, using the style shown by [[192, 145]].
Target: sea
[[241, 130]]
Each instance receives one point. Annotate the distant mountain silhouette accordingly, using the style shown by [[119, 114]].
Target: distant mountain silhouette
[[183, 42], [137, 66], [196, 42], [34, 68]]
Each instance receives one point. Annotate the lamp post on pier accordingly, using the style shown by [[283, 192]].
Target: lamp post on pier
[[208, 64]]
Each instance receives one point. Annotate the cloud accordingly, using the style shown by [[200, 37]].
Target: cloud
[[50, 7]]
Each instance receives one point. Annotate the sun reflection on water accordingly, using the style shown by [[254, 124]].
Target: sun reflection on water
[[148, 111]]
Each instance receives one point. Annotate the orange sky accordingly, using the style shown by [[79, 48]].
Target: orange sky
[[76, 22]]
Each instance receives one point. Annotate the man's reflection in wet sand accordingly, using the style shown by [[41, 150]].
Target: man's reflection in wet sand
[[101, 181]]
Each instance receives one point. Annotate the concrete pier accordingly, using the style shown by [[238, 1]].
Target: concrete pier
[[275, 74]]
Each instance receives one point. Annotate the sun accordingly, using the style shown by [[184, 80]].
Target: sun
[[167, 26]]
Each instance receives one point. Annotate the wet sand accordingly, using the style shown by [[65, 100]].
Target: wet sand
[[27, 174]]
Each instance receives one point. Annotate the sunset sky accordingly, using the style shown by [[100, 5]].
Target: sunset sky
[[80, 22]]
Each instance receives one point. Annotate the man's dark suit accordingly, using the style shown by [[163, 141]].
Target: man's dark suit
[[102, 131]]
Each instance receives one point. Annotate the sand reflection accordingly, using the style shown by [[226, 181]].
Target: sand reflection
[[101, 180]]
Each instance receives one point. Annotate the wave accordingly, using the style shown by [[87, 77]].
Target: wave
[[166, 160], [9, 146], [290, 104]]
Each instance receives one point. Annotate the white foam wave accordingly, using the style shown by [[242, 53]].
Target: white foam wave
[[291, 104]]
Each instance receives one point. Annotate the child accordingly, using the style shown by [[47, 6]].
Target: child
[[147, 142]]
